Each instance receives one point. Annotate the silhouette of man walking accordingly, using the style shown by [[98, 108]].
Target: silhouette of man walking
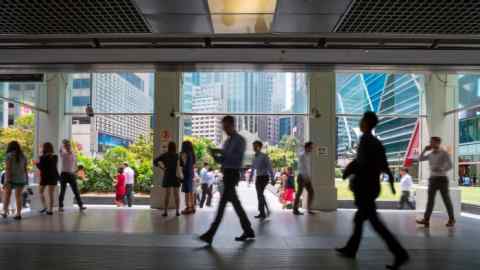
[[231, 158], [366, 168]]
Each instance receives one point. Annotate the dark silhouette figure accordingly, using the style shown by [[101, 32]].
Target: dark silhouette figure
[[370, 162], [231, 158]]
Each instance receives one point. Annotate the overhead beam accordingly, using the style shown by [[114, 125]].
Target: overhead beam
[[96, 56]]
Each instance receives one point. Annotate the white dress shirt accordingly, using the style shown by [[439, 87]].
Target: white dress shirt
[[439, 161], [305, 165], [406, 182], [129, 176]]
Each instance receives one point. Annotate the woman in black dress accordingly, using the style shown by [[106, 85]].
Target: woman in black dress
[[47, 164], [171, 183]]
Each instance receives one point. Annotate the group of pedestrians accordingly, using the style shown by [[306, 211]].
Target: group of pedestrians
[[124, 184], [16, 176], [178, 170]]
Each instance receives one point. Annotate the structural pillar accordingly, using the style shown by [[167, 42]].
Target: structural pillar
[[435, 100], [166, 126], [322, 131], [53, 126]]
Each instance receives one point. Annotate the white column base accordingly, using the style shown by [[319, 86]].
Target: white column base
[[421, 196], [157, 195], [325, 198], [36, 203]]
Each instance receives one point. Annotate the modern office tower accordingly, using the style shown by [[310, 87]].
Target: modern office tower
[[300, 99], [284, 126], [109, 93], [187, 85], [206, 99], [388, 94]]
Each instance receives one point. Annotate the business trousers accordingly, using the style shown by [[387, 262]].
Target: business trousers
[[301, 184], [367, 210], [260, 185], [438, 183], [230, 180], [405, 199], [71, 179], [206, 195], [129, 194]]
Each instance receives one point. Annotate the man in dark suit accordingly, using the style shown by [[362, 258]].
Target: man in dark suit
[[365, 170]]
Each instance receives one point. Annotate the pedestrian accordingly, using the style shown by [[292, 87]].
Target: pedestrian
[[169, 163], [49, 176], [365, 169], [440, 163], [207, 179], [68, 175], [288, 186], [304, 179], [15, 178], [262, 168], [231, 159], [120, 187], [406, 185], [187, 161], [129, 183]]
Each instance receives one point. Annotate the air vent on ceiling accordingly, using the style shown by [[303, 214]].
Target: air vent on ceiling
[[70, 17], [412, 17]]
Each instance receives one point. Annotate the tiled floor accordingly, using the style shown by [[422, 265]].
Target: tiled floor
[[140, 238]]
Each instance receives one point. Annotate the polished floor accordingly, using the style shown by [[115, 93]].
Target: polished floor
[[140, 238]]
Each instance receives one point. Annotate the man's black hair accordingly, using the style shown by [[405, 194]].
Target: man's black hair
[[228, 119], [259, 143], [371, 119]]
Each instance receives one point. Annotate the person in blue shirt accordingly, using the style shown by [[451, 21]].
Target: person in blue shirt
[[262, 168], [231, 159]]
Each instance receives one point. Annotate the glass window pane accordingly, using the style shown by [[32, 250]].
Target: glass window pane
[[29, 93], [120, 92], [383, 93], [244, 92]]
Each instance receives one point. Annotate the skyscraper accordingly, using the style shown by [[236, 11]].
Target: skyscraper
[[206, 99], [109, 93]]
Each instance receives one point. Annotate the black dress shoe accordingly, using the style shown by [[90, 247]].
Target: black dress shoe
[[17, 217], [311, 213], [297, 213], [44, 210], [399, 261], [260, 216], [49, 213], [245, 236], [345, 252], [206, 238]]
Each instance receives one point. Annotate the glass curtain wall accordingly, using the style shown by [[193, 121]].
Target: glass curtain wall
[[395, 97], [268, 106], [120, 130], [467, 102]]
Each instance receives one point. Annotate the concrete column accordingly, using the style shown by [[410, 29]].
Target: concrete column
[[166, 126], [439, 93], [322, 132], [53, 126]]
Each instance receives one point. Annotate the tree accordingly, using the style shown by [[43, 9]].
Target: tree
[[201, 146], [23, 132], [289, 143]]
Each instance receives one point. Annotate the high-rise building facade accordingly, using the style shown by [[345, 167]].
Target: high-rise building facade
[[206, 99], [114, 94]]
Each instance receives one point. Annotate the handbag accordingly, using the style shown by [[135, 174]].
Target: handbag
[[179, 172]]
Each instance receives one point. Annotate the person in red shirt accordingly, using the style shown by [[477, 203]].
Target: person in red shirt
[[119, 183]]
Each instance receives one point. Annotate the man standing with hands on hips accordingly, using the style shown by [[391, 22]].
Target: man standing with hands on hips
[[440, 163]]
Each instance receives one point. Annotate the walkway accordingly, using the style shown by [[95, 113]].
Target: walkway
[[140, 238]]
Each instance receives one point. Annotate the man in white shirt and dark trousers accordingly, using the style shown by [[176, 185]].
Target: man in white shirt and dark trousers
[[262, 167], [406, 184], [68, 176], [129, 183], [304, 179], [206, 181], [440, 163]]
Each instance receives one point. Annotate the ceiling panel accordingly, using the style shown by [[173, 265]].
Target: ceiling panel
[[313, 6], [412, 17], [311, 23], [173, 6], [70, 17], [179, 23], [242, 24]]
